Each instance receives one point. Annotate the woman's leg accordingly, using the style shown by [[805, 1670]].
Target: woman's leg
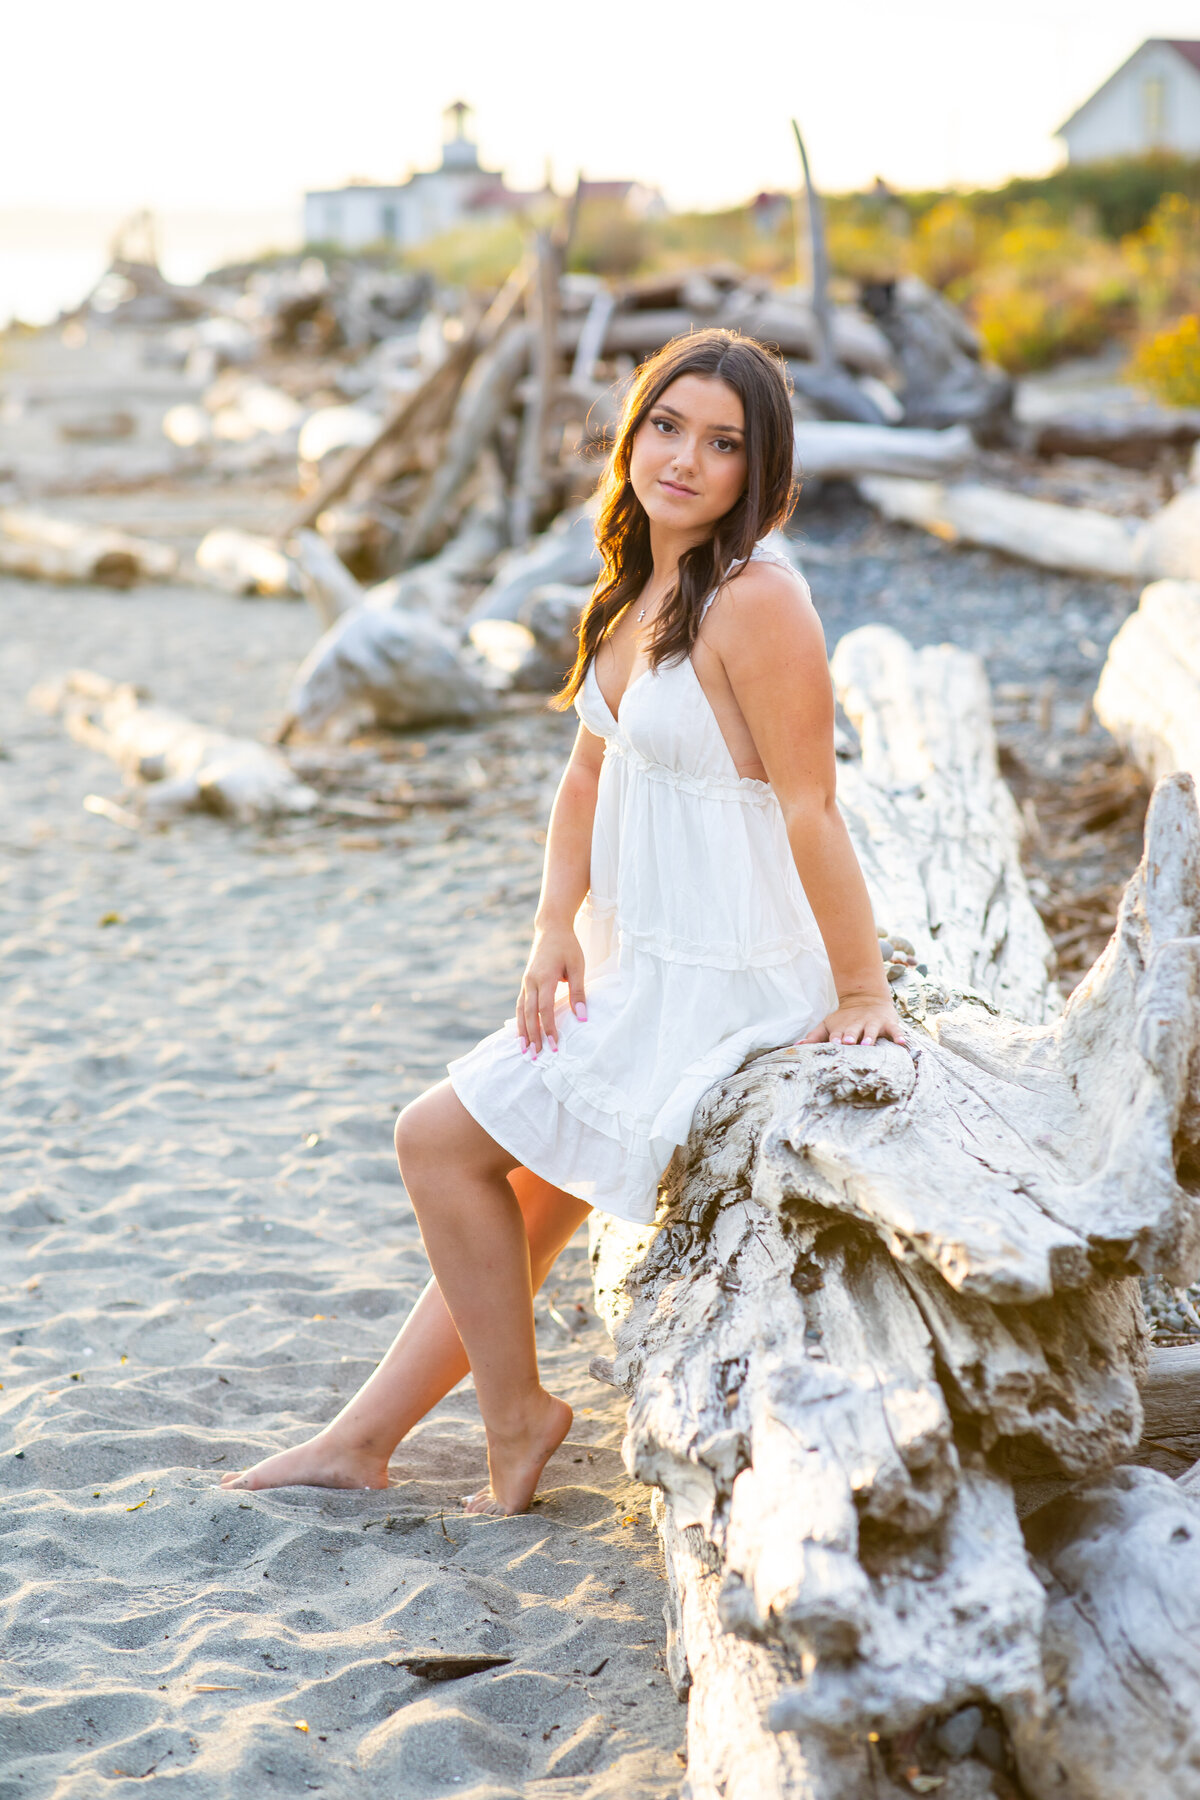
[[425, 1361], [475, 1238]]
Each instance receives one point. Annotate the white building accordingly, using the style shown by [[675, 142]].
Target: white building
[[1152, 102], [409, 212]]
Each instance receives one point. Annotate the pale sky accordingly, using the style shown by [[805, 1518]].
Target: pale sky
[[240, 104]]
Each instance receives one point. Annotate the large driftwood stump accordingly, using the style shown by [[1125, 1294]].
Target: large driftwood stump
[[880, 1283], [1148, 696]]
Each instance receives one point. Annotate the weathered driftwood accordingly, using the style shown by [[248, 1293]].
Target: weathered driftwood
[[1168, 544], [1171, 1411], [530, 486], [1121, 1561], [392, 667], [1075, 538], [945, 381], [439, 388], [877, 1279], [1135, 439], [785, 325], [934, 827], [537, 648], [245, 564], [42, 547], [733, 1753], [1148, 695], [437, 587], [431, 402], [179, 766], [326, 582], [97, 425], [565, 553], [834, 448], [484, 398]]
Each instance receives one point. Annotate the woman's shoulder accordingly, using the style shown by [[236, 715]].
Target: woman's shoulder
[[767, 582]]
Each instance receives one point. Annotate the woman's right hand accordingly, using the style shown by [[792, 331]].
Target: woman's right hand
[[556, 956]]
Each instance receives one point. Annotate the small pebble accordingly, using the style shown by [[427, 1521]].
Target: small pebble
[[886, 949], [956, 1736], [904, 945]]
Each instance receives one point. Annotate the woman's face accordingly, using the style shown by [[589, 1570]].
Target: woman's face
[[687, 465]]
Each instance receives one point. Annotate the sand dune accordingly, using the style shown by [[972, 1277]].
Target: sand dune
[[206, 1246]]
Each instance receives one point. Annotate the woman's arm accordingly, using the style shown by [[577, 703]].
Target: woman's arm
[[770, 642], [566, 875]]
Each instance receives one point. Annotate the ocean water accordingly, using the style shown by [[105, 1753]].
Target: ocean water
[[49, 262]]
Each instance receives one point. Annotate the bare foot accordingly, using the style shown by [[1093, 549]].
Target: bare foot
[[516, 1461], [317, 1463]]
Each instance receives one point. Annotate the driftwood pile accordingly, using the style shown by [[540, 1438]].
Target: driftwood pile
[[890, 1302]]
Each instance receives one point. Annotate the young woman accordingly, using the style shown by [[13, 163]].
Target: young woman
[[700, 900]]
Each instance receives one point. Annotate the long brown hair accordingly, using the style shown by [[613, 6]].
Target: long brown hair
[[623, 529]]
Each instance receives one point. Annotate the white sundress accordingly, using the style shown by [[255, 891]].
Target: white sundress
[[699, 944]]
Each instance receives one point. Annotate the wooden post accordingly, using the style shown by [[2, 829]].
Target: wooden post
[[531, 452]]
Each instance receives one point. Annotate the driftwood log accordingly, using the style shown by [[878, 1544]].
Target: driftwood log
[[1148, 695], [879, 1282], [485, 396], [326, 582], [382, 663], [440, 587], [1168, 544], [1075, 538], [565, 553], [835, 448], [175, 764], [787, 326], [42, 547], [1135, 439], [1120, 1557], [244, 564], [945, 380]]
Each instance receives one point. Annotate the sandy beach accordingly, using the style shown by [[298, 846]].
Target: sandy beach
[[206, 1034]]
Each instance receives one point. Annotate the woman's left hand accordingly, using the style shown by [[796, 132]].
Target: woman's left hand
[[859, 1019]]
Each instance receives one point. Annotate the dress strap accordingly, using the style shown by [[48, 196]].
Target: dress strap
[[760, 553]]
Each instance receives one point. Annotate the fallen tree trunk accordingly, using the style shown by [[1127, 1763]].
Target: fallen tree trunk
[[1136, 440], [875, 1277], [43, 548], [1121, 1559], [784, 326], [179, 765], [836, 448], [1148, 695], [1074, 538]]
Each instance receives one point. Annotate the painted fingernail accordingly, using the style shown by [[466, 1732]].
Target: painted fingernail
[[524, 1043], [581, 1011], [553, 1045]]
